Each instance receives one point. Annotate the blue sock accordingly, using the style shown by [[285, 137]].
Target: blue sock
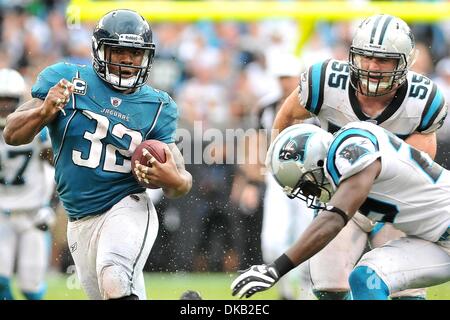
[[367, 285], [5, 289], [37, 295], [330, 295]]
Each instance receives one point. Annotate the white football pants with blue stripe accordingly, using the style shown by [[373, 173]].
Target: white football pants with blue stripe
[[111, 249], [401, 264], [331, 267]]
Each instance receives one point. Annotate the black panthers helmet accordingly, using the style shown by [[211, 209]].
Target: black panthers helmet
[[122, 29]]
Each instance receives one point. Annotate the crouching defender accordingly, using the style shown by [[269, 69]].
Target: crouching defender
[[362, 167]]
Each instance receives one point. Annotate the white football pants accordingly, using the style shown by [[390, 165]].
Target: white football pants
[[111, 249], [21, 240]]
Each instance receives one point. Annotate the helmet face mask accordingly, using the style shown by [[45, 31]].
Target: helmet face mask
[[313, 188], [296, 159], [375, 83], [381, 37], [128, 31]]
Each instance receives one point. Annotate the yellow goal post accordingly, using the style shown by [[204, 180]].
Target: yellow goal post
[[307, 13]]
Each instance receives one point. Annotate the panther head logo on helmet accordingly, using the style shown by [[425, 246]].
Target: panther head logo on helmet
[[296, 159], [294, 149]]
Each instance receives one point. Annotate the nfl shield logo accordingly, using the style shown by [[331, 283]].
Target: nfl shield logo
[[115, 102]]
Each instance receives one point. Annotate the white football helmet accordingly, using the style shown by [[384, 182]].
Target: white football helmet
[[296, 159], [12, 89], [381, 36]]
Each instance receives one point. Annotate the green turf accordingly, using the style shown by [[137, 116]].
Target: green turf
[[165, 286]]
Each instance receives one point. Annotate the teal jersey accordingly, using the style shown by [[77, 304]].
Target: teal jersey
[[93, 143]]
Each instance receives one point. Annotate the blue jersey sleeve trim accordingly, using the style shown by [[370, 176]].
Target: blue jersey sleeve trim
[[316, 87], [331, 156], [432, 109]]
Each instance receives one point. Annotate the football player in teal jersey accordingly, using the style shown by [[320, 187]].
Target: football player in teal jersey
[[97, 115]]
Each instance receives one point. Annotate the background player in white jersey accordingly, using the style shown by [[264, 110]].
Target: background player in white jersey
[[25, 192], [375, 86], [283, 220], [108, 111], [362, 167]]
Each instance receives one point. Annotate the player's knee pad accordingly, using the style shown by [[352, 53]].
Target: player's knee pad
[[5, 289], [114, 282], [330, 295], [366, 284]]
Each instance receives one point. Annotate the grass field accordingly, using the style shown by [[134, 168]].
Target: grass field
[[168, 286]]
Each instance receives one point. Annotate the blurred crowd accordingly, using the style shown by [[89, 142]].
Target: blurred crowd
[[220, 74]]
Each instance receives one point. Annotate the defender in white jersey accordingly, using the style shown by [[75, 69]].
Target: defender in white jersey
[[283, 219], [25, 192], [365, 167], [374, 86]]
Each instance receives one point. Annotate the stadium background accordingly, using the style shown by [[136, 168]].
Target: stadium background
[[215, 230]]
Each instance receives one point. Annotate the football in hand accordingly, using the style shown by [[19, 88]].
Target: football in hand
[[156, 149]]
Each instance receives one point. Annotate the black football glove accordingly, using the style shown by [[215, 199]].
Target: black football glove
[[255, 279]]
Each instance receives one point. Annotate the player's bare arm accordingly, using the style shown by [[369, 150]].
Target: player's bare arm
[[29, 119], [290, 112], [171, 175], [349, 196], [426, 142]]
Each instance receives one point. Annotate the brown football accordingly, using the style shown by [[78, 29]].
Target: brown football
[[156, 149]]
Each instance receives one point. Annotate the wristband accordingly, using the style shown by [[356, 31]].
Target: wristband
[[339, 212], [283, 265]]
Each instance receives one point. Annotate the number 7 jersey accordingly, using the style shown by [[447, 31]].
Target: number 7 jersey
[[93, 143], [24, 184], [411, 191], [326, 92]]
